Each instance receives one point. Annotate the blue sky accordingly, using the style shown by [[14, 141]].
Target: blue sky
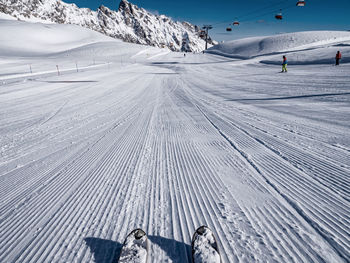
[[256, 16]]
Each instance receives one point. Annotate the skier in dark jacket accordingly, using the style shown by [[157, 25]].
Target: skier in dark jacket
[[284, 64], [337, 58]]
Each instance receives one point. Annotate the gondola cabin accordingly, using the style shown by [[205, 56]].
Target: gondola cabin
[[236, 23], [301, 3], [229, 29], [202, 33], [279, 16]]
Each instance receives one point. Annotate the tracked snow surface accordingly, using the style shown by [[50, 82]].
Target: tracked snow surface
[[128, 136]]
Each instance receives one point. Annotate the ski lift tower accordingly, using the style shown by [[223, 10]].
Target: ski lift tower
[[206, 28]]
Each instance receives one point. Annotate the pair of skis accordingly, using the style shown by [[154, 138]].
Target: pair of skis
[[204, 247]]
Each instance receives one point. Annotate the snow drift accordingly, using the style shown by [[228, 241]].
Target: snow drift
[[308, 47], [28, 39]]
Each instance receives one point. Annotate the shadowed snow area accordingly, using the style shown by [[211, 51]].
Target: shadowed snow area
[[99, 137]]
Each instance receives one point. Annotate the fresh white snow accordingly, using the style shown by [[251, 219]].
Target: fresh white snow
[[138, 137], [310, 47], [18, 39]]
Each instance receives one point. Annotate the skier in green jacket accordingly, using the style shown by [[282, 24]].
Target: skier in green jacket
[[284, 64]]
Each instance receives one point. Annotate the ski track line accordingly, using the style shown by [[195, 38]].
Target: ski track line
[[214, 198], [264, 144], [99, 233], [181, 198], [341, 234], [292, 250], [68, 131], [216, 227], [205, 188], [180, 207], [327, 165], [209, 205], [63, 135], [286, 149], [19, 196], [24, 173], [320, 149], [293, 155], [279, 237], [182, 231], [53, 192], [294, 221], [278, 252], [293, 244], [259, 119], [105, 201]]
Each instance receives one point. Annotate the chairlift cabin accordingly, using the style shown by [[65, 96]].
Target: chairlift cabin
[[301, 3], [279, 15], [228, 29]]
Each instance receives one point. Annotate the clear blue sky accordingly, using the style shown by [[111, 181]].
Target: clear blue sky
[[256, 16]]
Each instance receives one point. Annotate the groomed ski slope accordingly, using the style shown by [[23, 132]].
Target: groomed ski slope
[[143, 138]]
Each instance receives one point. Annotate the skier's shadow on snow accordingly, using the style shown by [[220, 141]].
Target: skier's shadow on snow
[[177, 251], [104, 250]]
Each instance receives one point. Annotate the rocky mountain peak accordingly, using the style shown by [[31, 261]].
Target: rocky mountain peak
[[125, 6], [129, 23]]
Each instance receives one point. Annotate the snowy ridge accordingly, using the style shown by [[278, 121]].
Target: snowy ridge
[[130, 23], [301, 47], [43, 39]]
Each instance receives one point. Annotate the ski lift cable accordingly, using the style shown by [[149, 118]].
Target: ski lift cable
[[269, 13], [264, 8], [253, 12], [259, 15]]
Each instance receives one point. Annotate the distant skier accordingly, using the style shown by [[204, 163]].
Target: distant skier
[[284, 64], [337, 58]]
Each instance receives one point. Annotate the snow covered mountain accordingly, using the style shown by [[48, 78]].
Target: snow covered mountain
[[129, 22]]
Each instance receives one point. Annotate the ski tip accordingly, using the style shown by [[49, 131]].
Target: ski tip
[[204, 246], [138, 233], [135, 248], [201, 230]]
